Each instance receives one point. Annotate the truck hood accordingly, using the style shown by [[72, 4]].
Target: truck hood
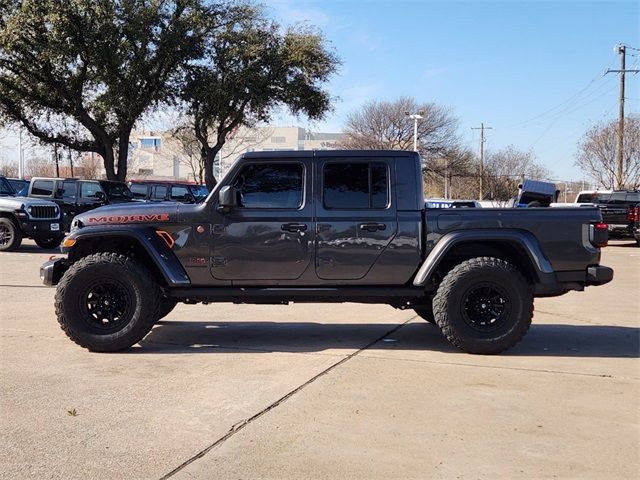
[[128, 213], [23, 202]]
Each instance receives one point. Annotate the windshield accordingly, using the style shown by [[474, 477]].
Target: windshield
[[117, 190], [199, 191]]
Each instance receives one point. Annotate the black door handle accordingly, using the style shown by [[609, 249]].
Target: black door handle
[[294, 227], [372, 227]]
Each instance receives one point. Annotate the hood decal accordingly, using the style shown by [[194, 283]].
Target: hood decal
[[133, 218]]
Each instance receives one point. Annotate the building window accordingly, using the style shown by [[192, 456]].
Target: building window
[[152, 144], [278, 139]]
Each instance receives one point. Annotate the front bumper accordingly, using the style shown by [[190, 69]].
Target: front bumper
[[51, 271], [599, 275], [42, 228]]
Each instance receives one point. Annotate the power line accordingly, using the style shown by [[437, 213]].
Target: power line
[[571, 99]]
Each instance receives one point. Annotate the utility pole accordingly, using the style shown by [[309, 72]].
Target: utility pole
[[622, 50], [482, 128]]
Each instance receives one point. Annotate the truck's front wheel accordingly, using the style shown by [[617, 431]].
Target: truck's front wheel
[[10, 235], [107, 302], [484, 305]]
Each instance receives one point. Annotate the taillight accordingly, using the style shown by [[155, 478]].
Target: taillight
[[599, 234], [633, 214]]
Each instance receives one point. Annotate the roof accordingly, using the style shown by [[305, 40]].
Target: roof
[[163, 182], [328, 153], [536, 186]]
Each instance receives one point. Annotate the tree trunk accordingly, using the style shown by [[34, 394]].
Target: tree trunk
[[208, 158], [108, 159], [123, 154]]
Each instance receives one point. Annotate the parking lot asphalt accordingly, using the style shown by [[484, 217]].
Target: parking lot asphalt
[[321, 391]]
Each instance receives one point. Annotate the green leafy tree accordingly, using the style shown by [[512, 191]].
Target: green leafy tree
[[80, 73], [251, 67]]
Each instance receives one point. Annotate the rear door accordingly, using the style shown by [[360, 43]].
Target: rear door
[[356, 216], [269, 236]]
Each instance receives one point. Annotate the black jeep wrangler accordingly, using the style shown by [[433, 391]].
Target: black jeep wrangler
[[75, 196], [323, 226], [22, 217]]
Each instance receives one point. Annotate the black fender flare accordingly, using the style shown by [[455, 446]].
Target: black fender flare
[[157, 249], [523, 239]]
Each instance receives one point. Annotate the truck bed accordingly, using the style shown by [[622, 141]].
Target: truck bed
[[556, 229]]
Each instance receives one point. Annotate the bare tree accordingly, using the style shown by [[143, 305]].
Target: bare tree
[[40, 166], [385, 125], [504, 170], [8, 168], [88, 166], [597, 153], [187, 148]]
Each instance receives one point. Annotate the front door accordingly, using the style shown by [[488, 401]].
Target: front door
[[356, 216], [269, 236]]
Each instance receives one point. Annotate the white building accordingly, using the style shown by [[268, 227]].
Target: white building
[[159, 155]]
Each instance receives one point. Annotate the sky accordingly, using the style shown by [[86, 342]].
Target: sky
[[531, 70]]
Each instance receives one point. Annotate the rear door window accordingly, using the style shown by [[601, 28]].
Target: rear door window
[[159, 192], [69, 190], [356, 185]]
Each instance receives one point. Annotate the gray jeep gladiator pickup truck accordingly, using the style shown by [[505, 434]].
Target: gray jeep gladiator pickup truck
[[323, 226]]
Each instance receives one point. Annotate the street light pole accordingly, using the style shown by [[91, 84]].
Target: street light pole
[[20, 155], [415, 117]]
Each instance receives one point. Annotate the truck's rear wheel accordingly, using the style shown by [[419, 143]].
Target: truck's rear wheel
[[107, 302], [484, 305], [10, 235]]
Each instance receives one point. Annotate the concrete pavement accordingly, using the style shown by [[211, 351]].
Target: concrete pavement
[[321, 391]]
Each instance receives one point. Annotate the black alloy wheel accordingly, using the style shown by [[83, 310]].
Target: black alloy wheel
[[10, 235], [485, 307], [109, 305]]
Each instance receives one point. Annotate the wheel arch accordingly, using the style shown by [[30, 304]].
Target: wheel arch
[[520, 248], [141, 243]]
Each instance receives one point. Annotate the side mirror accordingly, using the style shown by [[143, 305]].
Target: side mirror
[[101, 196], [227, 198]]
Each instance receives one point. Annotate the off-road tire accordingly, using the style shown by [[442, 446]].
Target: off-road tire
[[130, 279], [11, 235], [49, 243], [166, 307], [453, 307], [425, 312]]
